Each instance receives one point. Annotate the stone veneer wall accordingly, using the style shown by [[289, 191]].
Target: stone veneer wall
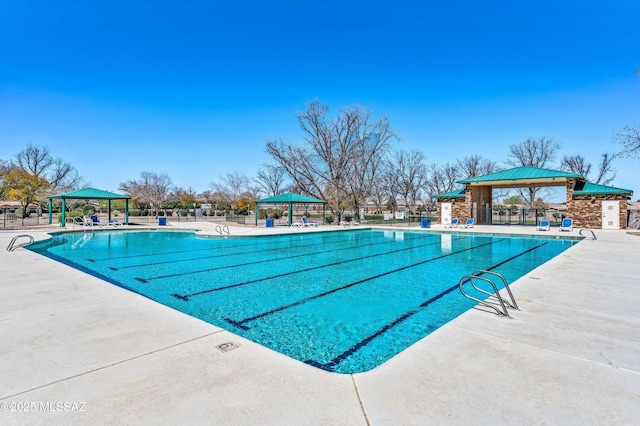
[[587, 213], [459, 208]]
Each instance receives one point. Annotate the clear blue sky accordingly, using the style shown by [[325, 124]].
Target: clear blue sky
[[194, 88]]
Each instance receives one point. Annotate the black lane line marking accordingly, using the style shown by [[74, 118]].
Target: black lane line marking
[[330, 366], [186, 297], [239, 253], [256, 262], [271, 243], [240, 324]]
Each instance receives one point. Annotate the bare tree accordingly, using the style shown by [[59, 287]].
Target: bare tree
[[34, 160], [442, 179], [270, 180], [606, 172], [379, 191], [532, 152], [232, 185], [629, 138], [408, 175], [183, 197], [38, 162], [578, 164], [63, 176], [474, 166], [341, 155], [151, 188], [53, 174]]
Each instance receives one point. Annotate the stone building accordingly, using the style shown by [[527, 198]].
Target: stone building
[[589, 205]]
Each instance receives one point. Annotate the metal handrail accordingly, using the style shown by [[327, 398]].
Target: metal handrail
[[11, 247], [220, 229], [592, 233], [513, 303], [472, 277]]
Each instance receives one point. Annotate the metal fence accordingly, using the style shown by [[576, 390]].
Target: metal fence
[[15, 221], [527, 217], [633, 220]]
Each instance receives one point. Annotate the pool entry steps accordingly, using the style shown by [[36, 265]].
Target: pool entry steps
[[12, 246], [493, 298]]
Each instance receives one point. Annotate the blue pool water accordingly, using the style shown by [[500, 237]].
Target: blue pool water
[[342, 301]]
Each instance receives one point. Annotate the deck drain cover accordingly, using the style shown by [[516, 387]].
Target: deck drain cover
[[229, 346], [534, 278]]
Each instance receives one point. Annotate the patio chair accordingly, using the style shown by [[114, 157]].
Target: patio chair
[[567, 224], [544, 225], [452, 224], [469, 223]]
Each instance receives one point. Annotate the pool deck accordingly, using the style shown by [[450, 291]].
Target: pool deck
[[77, 350]]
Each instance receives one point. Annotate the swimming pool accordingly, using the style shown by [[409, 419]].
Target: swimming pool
[[343, 301]]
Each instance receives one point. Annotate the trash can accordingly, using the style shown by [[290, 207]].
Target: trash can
[[269, 222], [162, 221], [426, 223]]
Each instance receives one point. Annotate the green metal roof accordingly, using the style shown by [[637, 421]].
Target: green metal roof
[[90, 194], [523, 173], [588, 188], [290, 197], [458, 193]]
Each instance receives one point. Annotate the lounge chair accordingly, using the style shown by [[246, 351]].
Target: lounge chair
[[452, 224], [95, 221], [544, 225], [82, 221], [469, 223], [567, 224], [305, 222]]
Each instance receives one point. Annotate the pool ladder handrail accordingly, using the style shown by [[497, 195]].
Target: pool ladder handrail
[[220, 229], [12, 245], [592, 233], [477, 275]]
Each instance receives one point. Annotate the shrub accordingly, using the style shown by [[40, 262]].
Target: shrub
[[88, 209], [276, 213], [134, 212], [262, 214], [329, 218]]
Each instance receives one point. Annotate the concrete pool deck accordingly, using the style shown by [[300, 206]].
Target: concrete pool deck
[[77, 350]]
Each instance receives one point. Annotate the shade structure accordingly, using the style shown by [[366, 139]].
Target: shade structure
[[291, 198], [88, 194]]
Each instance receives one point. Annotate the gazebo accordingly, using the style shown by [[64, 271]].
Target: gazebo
[[289, 199], [88, 194]]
